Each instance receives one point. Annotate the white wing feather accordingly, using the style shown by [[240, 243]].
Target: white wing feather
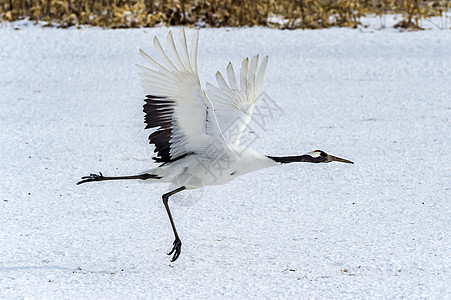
[[234, 104], [194, 125]]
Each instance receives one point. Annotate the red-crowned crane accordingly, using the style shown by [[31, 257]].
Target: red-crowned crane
[[189, 124]]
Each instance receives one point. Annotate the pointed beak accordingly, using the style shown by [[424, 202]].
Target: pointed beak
[[339, 159]]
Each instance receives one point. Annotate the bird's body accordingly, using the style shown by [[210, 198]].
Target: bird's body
[[198, 170], [196, 133]]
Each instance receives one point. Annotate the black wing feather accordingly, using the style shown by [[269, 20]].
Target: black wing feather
[[158, 114]]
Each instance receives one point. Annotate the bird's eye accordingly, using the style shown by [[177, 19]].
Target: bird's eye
[[323, 154]]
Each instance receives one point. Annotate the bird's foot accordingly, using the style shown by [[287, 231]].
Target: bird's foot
[[91, 177], [176, 249]]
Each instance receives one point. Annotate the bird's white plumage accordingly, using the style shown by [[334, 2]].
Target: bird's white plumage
[[199, 119], [234, 103], [194, 124]]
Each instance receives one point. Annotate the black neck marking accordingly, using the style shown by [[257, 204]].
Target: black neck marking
[[300, 158]]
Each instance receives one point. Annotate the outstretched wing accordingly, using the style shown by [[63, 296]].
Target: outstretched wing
[[176, 106], [234, 103]]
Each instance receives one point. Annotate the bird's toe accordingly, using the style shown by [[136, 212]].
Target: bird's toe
[[176, 249], [91, 177]]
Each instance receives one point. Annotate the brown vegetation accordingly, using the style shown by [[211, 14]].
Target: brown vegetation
[[285, 14]]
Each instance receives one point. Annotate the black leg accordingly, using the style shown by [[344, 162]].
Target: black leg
[[100, 177], [177, 245]]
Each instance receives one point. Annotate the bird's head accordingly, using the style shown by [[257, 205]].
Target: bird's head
[[321, 156]]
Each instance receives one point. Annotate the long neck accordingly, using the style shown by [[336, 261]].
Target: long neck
[[300, 158]]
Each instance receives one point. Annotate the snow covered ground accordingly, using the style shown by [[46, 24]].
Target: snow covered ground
[[71, 104]]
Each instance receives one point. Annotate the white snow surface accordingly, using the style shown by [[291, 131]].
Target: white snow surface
[[71, 104]]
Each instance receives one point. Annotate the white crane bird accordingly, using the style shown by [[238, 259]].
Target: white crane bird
[[189, 124]]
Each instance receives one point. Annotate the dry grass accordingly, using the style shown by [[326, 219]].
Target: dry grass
[[215, 13]]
